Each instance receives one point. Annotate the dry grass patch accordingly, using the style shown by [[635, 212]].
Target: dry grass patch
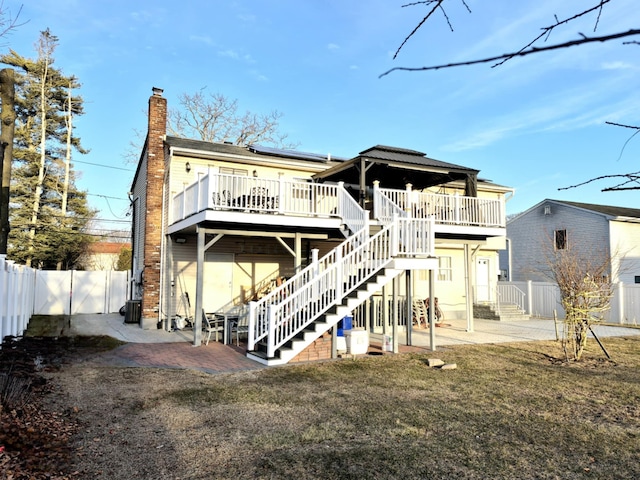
[[508, 411]]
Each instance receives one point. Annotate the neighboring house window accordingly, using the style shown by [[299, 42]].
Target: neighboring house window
[[233, 171], [561, 239], [445, 272], [636, 279]]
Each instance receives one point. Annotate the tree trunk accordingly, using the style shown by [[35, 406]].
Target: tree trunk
[[7, 117], [67, 163]]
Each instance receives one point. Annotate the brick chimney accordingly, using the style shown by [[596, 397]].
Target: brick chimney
[[156, 132]]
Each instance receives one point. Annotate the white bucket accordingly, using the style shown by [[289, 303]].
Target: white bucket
[[387, 343]]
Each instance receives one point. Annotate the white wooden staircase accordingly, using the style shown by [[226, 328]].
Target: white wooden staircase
[[286, 321]]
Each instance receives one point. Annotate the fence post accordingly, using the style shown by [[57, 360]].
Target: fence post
[[271, 331], [529, 297], [376, 199], [4, 305], [408, 205], [339, 275], [394, 237], [621, 312], [252, 326]]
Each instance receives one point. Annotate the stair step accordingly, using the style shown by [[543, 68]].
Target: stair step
[[507, 312]]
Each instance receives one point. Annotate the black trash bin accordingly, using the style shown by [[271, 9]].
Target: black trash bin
[[133, 312]]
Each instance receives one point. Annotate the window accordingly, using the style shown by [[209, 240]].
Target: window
[[445, 272], [636, 279], [234, 171], [561, 239]]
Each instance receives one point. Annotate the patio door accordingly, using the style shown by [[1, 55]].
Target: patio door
[[483, 293], [218, 281]]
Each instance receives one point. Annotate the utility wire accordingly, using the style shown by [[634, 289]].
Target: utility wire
[[105, 166]]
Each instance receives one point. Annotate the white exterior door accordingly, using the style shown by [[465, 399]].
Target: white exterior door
[[218, 281], [483, 292]]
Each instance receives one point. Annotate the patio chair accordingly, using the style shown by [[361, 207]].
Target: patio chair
[[212, 325], [420, 314], [240, 326]]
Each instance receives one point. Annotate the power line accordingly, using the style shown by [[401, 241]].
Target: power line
[[106, 196], [105, 166]]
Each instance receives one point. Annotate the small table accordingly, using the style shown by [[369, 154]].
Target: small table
[[229, 319]]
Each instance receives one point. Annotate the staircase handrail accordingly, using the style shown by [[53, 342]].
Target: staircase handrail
[[510, 295], [327, 282], [356, 220], [387, 203]]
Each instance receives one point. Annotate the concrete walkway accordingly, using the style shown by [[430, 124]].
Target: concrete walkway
[[159, 348]]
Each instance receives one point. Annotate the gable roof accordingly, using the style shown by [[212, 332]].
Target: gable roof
[[609, 211]]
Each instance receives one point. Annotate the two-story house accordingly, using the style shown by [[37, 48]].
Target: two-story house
[[288, 243]]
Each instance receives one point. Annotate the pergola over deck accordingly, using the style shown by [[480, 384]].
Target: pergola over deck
[[395, 168]]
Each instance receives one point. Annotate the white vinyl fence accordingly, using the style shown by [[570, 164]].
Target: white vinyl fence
[[25, 292], [17, 287], [72, 292], [543, 298]]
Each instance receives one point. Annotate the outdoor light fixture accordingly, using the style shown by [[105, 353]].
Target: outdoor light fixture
[[181, 240], [187, 167]]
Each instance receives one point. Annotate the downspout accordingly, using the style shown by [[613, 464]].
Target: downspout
[[508, 241], [134, 230]]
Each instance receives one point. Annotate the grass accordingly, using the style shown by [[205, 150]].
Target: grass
[[508, 411]]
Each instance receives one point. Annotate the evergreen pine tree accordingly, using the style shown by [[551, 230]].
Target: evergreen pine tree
[[49, 215]]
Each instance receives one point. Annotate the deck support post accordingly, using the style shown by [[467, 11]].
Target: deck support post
[[432, 313], [467, 287], [408, 309], [197, 314]]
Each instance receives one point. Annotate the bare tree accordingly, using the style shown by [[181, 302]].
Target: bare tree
[[215, 118], [585, 279]]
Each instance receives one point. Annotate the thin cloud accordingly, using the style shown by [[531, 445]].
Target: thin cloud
[[235, 55], [205, 39], [617, 66], [333, 46]]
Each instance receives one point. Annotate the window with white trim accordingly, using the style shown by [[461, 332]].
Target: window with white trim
[[445, 272]]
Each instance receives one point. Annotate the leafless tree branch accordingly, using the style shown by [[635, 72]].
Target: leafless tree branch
[[520, 53], [546, 31], [637, 130], [631, 178]]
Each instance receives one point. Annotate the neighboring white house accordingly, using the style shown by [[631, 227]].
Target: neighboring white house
[[556, 224]]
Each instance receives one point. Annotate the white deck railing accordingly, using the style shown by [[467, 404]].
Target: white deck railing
[[299, 198], [305, 297], [445, 209], [261, 195]]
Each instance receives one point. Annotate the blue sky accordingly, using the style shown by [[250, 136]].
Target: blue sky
[[535, 124]]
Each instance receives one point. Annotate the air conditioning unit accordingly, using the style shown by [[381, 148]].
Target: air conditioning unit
[[133, 311]]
